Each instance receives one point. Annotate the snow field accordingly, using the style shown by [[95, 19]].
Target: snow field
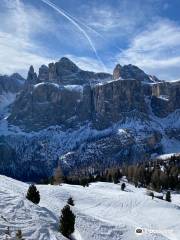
[[102, 210]]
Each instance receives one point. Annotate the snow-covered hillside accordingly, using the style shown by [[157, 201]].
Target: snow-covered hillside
[[103, 212]]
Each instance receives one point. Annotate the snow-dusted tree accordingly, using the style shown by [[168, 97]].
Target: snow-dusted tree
[[33, 194], [115, 177], [67, 221], [58, 175], [84, 182], [19, 235], [70, 201], [168, 196], [151, 194], [7, 232], [123, 185]]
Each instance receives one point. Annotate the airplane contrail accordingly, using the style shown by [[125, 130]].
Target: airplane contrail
[[88, 27], [52, 5]]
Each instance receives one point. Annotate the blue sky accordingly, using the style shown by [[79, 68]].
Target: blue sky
[[95, 34]]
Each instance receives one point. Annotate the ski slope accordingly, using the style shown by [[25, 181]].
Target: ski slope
[[103, 212]]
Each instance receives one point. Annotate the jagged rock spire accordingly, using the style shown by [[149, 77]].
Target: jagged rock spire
[[32, 76], [117, 72], [43, 74]]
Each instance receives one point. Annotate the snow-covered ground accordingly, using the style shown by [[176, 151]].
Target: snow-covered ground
[[103, 212]]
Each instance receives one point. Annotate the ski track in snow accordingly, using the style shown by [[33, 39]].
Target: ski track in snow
[[103, 212]]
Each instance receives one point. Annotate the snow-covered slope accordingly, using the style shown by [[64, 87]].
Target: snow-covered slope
[[103, 212]]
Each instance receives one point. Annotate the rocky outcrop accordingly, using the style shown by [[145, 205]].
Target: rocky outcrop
[[66, 72], [117, 72], [12, 84], [165, 98], [32, 77], [112, 101], [45, 105], [132, 72], [49, 104], [43, 74]]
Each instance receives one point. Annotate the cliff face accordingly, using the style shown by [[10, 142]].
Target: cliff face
[[88, 119], [165, 98], [112, 101], [47, 104]]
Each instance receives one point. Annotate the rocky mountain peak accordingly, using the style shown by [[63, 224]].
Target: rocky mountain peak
[[32, 76], [117, 72], [11, 84], [132, 72], [65, 67], [43, 74], [17, 76]]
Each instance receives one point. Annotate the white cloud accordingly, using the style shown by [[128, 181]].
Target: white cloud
[[156, 50], [121, 18], [28, 35], [17, 49]]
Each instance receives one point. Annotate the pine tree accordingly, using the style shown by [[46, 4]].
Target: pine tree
[[8, 231], [84, 182], [115, 178], [70, 201], [19, 235], [123, 185], [151, 194], [33, 194], [168, 196], [67, 221]]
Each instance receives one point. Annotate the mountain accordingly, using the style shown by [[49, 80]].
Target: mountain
[[84, 119], [11, 83], [102, 211], [9, 87], [133, 72]]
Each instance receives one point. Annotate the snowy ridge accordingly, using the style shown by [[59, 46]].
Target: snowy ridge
[[102, 211]]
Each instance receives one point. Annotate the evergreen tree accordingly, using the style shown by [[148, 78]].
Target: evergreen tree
[[168, 196], [19, 235], [115, 177], [8, 231], [84, 182], [70, 201], [33, 194], [123, 185], [151, 194], [67, 221]]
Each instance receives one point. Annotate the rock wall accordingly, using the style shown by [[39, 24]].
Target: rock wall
[[49, 104]]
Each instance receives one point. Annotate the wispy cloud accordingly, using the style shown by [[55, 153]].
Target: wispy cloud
[[121, 31], [17, 48], [121, 18], [155, 49]]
